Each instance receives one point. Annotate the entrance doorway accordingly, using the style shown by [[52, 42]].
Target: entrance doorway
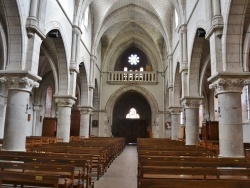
[[131, 117], [132, 129]]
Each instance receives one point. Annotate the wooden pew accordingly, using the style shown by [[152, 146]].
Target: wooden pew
[[163, 152], [99, 156], [30, 179], [194, 173], [66, 172], [82, 173], [163, 160], [166, 183]]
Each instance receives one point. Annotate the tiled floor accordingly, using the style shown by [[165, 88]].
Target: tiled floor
[[123, 171]]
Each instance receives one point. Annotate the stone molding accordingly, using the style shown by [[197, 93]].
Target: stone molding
[[191, 102], [85, 110], [32, 27], [223, 85], [19, 83], [65, 101], [175, 110]]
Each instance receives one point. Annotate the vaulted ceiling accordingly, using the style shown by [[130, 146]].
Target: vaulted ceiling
[[145, 22]]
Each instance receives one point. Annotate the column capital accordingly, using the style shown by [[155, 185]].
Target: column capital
[[175, 109], [229, 83], [217, 27], [184, 67], [191, 102], [85, 109], [19, 83], [93, 58], [65, 100], [170, 57], [74, 67], [76, 30], [183, 28]]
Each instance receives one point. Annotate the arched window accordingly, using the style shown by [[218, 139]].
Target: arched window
[[132, 114], [48, 102], [86, 17], [176, 18]]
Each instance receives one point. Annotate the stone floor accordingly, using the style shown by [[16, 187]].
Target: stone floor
[[123, 171]]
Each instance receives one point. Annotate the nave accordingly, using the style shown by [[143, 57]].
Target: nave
[[122, 172]]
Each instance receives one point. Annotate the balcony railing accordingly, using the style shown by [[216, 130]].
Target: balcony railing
[[121, 77]]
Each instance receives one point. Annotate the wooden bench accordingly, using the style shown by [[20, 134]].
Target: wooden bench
[[82, 172], [98, 161], [166, 183], [64, 174], [30, 179], [164, 152]]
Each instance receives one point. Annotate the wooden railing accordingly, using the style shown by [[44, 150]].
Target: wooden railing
[[119, 77]]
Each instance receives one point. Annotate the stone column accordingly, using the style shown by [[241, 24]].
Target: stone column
[[33, 8], [191, 107], [175, 122], [85, 120], [229, 89], [74, 64], [36, 108], [214, 36], [64, 105], [92, 80], [184, 61], [16, 122]]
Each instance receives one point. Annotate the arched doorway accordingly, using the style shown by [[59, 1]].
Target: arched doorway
[[131, 117]]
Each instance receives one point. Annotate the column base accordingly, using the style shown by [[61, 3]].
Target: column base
[[235, 156], [2, 149]]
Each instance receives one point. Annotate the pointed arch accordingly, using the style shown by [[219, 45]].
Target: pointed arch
[[144, 92], [62, 53]]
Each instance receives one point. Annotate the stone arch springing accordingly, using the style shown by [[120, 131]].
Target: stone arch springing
[[62, 52], [145, 93], [3, 48], [177, 87], [15, 40], [194, 69], [84, 87], [232, 41], [246, 50]]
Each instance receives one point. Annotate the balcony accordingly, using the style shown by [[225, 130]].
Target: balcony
[[138, 77]]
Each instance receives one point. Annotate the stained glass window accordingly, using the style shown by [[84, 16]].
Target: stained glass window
[[133, 59]]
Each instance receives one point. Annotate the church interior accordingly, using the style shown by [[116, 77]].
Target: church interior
[[125, 80]]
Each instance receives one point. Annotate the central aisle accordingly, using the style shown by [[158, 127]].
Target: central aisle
[[123, 171]]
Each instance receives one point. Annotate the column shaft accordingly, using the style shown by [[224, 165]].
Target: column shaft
[[16, 120], [64, 105], [33, 8], [85, 120], [84, 125], [230, 125], [175, 126], [229, 89], [192, 126], [63, 123], [216, 7]]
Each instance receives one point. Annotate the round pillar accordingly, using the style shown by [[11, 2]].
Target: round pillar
[[85, 121], [17, 112], [191, 106], [230, 116], [175, 122], [64, 105]]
